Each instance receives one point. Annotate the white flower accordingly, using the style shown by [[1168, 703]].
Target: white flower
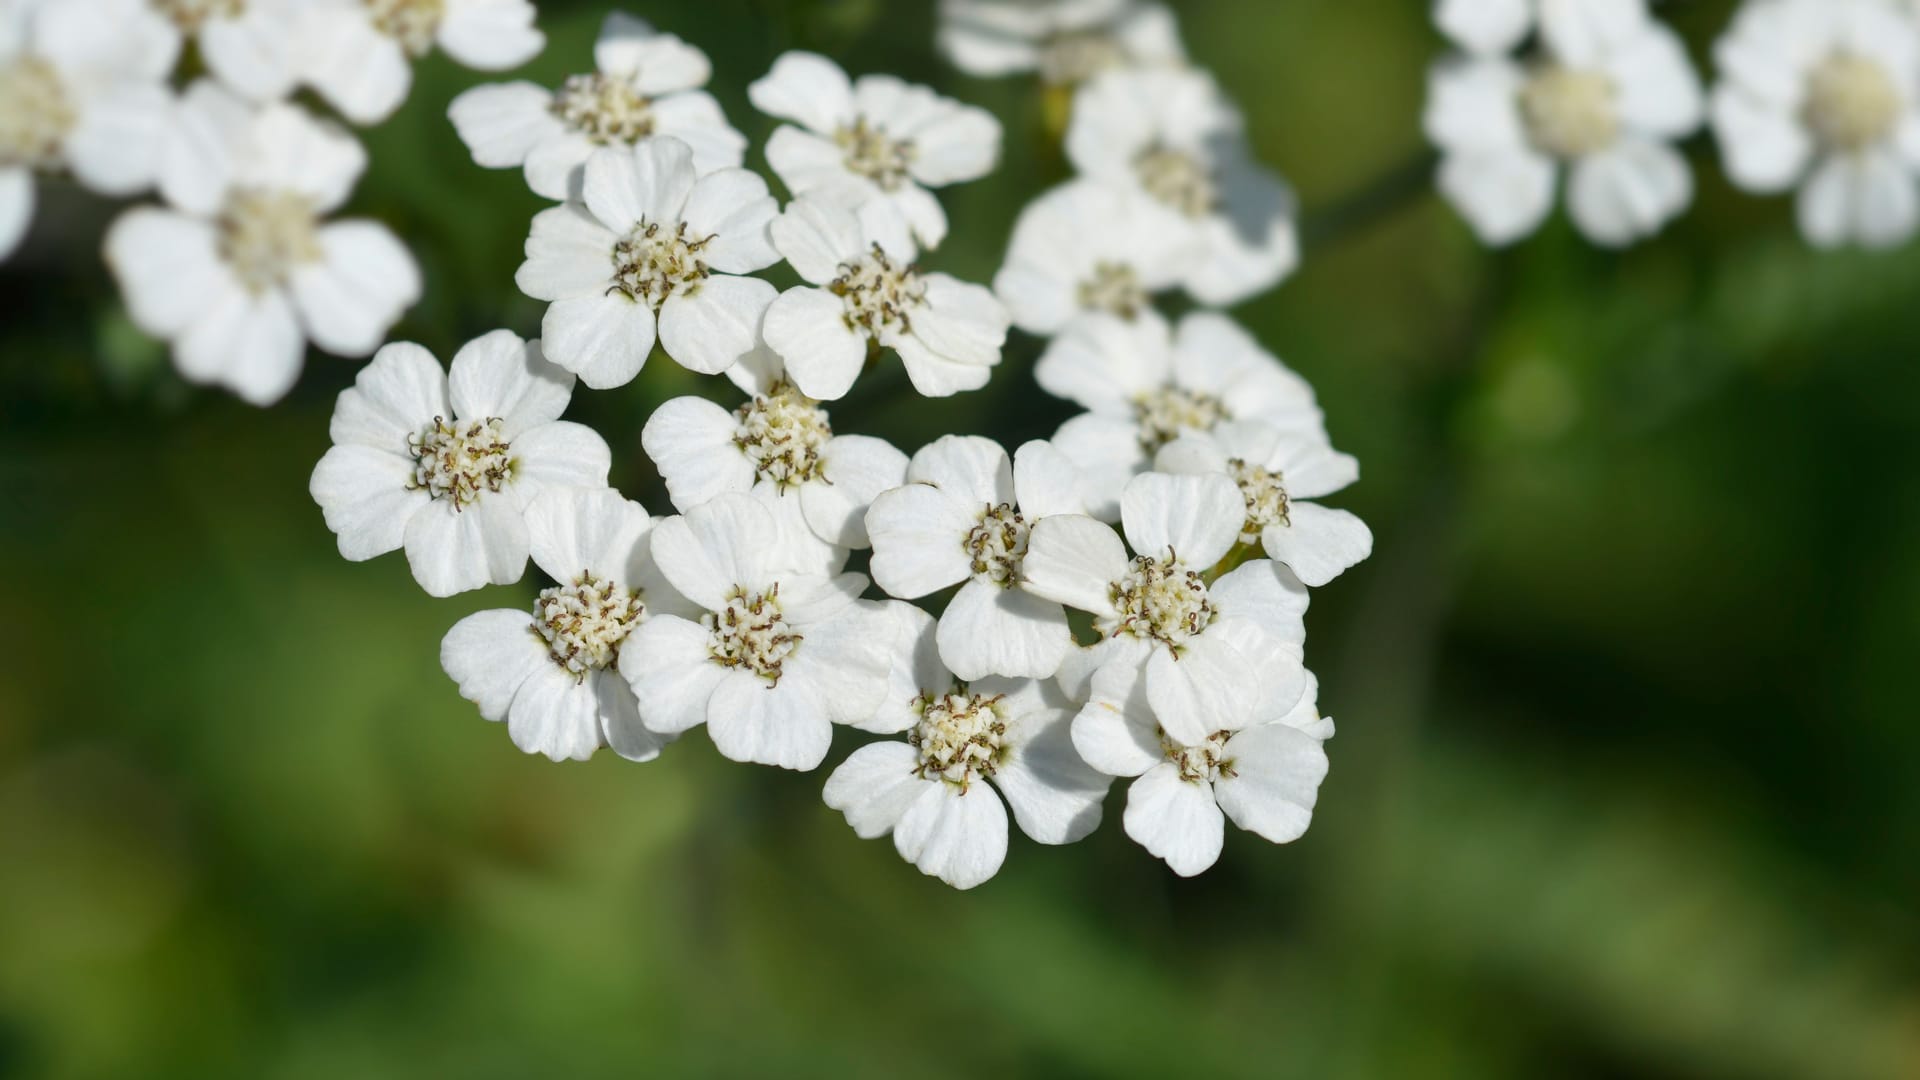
[[81, 90], [1277, 473], [782, 654], [445, 465], [1211, 649], [243, 269], [1496, 27], [1174, 137], [1145, 385], [874, 145], [251, 46], [1265, 774], [781, 447], [644, 83], [651, 247], [1066, 41], [550, 674], [965, 515], [1826, 96], [359, 53], [1603, 99], [1088, 247], [868, 292], [968, 746]]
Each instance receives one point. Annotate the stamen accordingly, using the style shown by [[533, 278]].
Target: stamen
[[1569, 113], [1172, 411], [752, 634], [783, 432], [652, 263], [871, 153], [605, 108], [412, 23], [584, 623], [1852, 102], [1266, 496], [1178, 179], [1201, 764], [266, 235], [460, 460], [1161, 600], [997, 545], [879, 296], [961, 737], [35, 114]]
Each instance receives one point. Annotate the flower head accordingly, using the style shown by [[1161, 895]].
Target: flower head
[[358, 54], [1088, 248], [1066, 41]]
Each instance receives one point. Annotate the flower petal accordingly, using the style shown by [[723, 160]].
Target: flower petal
[[855, 470], [1198, 518], [990, 630], [355, 292], [1115, 732], [605, 339], [1074, 560], [489, 654], [690, 440], [918, 534], [453, 550], [1318, 544], [809, 329], [668, 663], [1207, 686], [875, 786], [501, 123], [959, 838], [1177, 820], [1276, 775], [367, 498], [555, 714], [751, 720], [499, 375], [649, 182], [709, 329], [806, 88]]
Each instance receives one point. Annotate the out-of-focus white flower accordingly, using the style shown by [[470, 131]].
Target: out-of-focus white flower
[[644, 83], [242, 270], [1265, 774], [1087, 247], [1604, 98], [445, 465], [1825, 95], [782, 654], [652, 246], [1174, 138], [1145, 385], [968, 746], [874, 145], [781, 447], [866, 292], [1497, 27], [1212, 649], [82, 89], [1066, 41], [965, 514], [251, 46], [358, 54], [550, 675], [1277, 473]]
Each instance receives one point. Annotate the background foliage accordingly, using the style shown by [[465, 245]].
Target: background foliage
[[1625, 779]]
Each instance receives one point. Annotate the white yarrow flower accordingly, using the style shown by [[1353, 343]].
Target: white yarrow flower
[[243, 268], [445, 464], [644, 83], [781, 447], [551, 674], [1174, 138], [651, 248], [965, 515], [358, 54], [1603, 100], [873, 145], [1496, 27], [867, 293], [1825, 95], [1065, 41], [1145, 385], [1264, 774], [251, 46], [782, 653], [82, 90], [1277, 474], [968, 746], [1211, 649], [1087, 247]]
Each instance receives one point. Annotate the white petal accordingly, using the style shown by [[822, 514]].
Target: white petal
[[1208, 686], [557, 166], [695, 118], [603, 338], [1104, 363], [367, 499], [710, 329], [167, 264], [1054, 795], [1487, 26], [1504, 195], [1177, 820], [1075, 561], [656, 63], [874, 787], [959, 838], [970, 468], [489, 654], [1047, 482], [501, 123], [116, 146], [358, 70], [648, 183], [1867, 199], [499, 375], [690, 440], [1318, 544], [560, 454], [963, 323], [1251, 244], [668, 662], [250, 344], [806, 88], [933, 374], [555, 714], [1198, 518], [351, 297], [856, 469], [256, 53], [1473, 105], [453, 550], [846, 659], [1108, 452], [911, 207], [1659, 94], [578, 530], [803, 549], [817, 236], [16, 208], [490, 35], [733, 209], [808, 328], [1115, 732], [288, 149], [918, 534], [569, 254], [1629, 192], [619, 717], [961, 144], [1584, 32], [1764, 147], [990, 630], [1267, 594], [726, 542], [1276, 778], [914, 668], [400, 391], [753, 721]]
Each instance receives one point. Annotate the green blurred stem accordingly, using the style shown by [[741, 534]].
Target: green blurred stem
[[1374, 202]]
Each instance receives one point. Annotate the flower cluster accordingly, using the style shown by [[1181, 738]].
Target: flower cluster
[[1823, 95]]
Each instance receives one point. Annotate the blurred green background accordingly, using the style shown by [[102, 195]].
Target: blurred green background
[[1627, 780]]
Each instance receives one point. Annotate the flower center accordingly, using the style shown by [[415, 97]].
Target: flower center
[[1569, 113], [1160, 599], [1178, 179], [960, 737], [459, 460], [879, 295], [872, 154], [604, 108], [1200, 764], [190, 15], [1852, 102], [782, 432], [35, 114], [1266, 495], [652, 263], [1075, 58], [1114, 288], [412, 23], [1171, 411], [584, 623], [265, 235], [752, 634], [998, 544]]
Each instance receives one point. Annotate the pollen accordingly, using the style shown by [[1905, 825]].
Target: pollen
[[35, 114], [605, 108], [1159, 599], [1114, 288], [583, 623], [872, 153], [1172, 411], [266, 235], [191, 15], [1179, 179], [412, 23], [1852, 102], [961, 737], [998, 545], [1069, 59], [752, 634], [1200, 764], [879, 296], [1266, 495], [783, 433], [1570, 113], [652, 263], [460, 461]]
